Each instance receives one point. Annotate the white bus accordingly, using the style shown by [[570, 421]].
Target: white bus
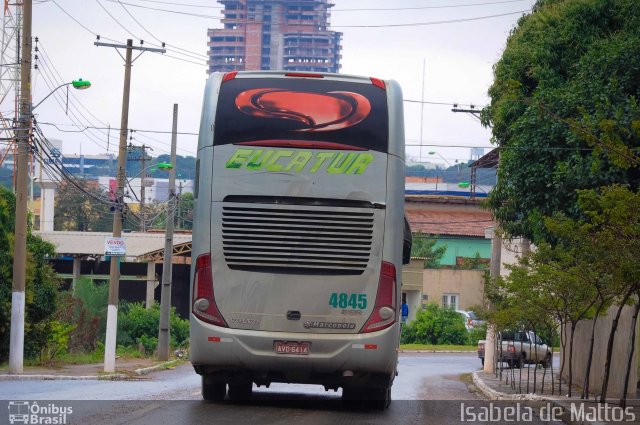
[[298, 234]]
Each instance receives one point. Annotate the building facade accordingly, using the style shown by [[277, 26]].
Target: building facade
[[286, 35]]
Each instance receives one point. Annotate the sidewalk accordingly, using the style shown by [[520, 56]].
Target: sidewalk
[[512, 386], [124, 369]]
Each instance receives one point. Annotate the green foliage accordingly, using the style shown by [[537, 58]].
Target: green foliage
[[436, 325], [85, 308], [591, 266], [138, 325], [564, 104], [94, 297], [57, 341], [476, 334], [187, 202], [41, 284], [76, 211], [475, 263], [424, 247]]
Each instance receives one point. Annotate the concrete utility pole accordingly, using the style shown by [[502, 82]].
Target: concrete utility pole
[[143, 172], [180, 221], [114, 271], [167, 267], [496, 260], [16, 342]]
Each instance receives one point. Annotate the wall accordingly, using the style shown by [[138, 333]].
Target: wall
[[618, 361], [412, 275], [469, 284], [462, 247]]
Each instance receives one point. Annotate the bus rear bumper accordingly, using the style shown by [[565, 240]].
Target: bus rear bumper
[[332, 359]]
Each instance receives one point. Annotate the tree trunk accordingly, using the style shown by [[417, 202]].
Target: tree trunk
[[573, 331], [529, 371], [612, 335], [585, 386], [563, 346], [632, 347]]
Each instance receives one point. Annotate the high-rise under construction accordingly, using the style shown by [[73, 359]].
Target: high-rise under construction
[[288, 35]]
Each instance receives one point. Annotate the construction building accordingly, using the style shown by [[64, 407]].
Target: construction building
[[285, 35]]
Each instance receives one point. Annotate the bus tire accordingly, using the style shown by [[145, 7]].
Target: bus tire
[[379, 398], [241, 391], [212, 389]]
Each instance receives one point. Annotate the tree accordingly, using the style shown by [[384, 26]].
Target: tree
[[564, 110], [592, 265], [41, 284], [187, 202], [79, 209], [424, 247]]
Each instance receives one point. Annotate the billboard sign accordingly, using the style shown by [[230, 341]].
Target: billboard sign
[[115, 246]]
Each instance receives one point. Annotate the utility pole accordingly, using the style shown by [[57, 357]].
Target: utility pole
[[167, 267], [143, 172], [16, 342], [491, 351], [180, 221], [114, 271]]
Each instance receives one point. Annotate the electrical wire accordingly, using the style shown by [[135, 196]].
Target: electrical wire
[[116, 41]]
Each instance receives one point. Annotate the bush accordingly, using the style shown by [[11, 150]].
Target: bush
[[57, 341], [138, 325], [436, 325], [475, 334], [85, 309]]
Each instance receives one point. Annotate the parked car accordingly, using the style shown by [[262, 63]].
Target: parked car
[[470, 319], [519, 348]]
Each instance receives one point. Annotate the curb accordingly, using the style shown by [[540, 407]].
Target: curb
[[492, 394], [165, 365], [106, 377], [434, 351]]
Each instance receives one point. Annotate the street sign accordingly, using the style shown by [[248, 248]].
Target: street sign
[[115, 247]]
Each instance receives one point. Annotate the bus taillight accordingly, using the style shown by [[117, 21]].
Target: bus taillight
[[204, 303], [303, 75], [229, 76], [384, 311], [378, 83]]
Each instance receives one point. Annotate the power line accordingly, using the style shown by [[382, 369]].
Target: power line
[[448, 6], [419, 24], [451, 21], [115, 41]]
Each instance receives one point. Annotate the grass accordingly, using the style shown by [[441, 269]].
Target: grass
[[429, 347]]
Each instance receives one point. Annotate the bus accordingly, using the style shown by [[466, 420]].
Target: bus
[[298, 234]]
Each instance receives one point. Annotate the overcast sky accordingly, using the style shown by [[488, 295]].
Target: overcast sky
[[456, 59]]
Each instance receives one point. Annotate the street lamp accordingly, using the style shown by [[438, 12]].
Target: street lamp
[[443, 158], [23, 134], [78, 84]]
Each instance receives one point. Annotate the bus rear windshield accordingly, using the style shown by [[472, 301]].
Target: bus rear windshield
[[322, 113]]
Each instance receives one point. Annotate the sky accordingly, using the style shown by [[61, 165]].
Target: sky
[[440, 51]]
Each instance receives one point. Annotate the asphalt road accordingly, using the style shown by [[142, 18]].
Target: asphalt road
[[431, 388]]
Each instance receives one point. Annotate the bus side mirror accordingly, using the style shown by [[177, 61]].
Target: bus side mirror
[[408, 241]]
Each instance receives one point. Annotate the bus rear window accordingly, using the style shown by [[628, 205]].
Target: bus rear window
[[285, 111]]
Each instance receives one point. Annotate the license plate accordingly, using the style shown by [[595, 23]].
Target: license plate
[[288, 347]]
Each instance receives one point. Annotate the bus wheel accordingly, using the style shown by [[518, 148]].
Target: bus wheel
[[240, 391], [213, 390], [379, 398]]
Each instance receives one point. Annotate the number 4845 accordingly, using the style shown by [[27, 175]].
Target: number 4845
[[344, 300]]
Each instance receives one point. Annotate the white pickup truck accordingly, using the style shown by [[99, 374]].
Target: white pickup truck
[[518, 348]]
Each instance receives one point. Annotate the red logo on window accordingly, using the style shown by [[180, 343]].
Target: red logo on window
[[312, 111]]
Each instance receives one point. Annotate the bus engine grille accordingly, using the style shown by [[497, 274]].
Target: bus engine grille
[[297, 239]]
